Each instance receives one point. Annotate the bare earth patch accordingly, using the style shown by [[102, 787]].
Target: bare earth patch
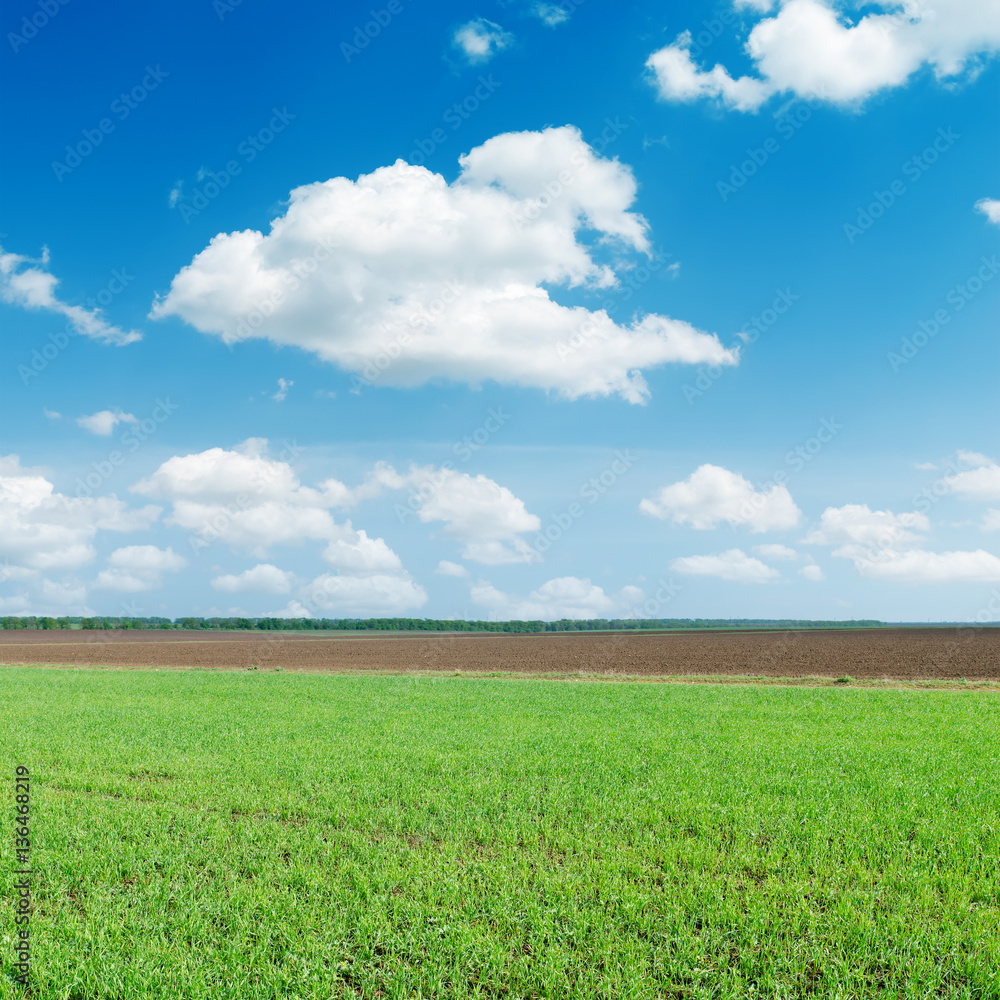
[[889, 654]]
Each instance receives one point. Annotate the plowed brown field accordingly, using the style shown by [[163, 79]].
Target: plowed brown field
[[905, 653]]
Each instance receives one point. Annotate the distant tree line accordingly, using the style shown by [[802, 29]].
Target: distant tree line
[[421, 624]]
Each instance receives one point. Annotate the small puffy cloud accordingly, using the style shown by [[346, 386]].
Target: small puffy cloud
[[713, 495], [678, 78], [980, 482], [485, 516], [480, 40], [733, 565], [812, 572], [416, 278], [138, 567], [176, 194], [44, 529], [856, 524], [105, 421], [260, 579], [925, 466], [26, 282], [446, 568], [990, 207], [51, 414], [284, 385], [357, 554], [780, 552], [813, 49], [551, 14], [563, 597]]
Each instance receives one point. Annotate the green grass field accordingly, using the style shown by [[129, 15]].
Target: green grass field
[[217, 835]]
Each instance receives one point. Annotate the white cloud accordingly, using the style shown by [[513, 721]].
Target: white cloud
[[105, 421], [244, 499], [782, 552], [679, 79], [812, 49], [812, 572], [33, 287], [417, 279], [261, 579], [712, 495], [733, 565], [551, 14], [446, 568], [990, 207], [51, 414], [885, 546], [480, 40], [981, 482], [563, 597], [357, 554], [176, 193], [138, 567], [252, 502], [382, 594], [991, 520], [481, 513], [857, 525], [44, 530], [284, 385], [924, 466], [920, 566]]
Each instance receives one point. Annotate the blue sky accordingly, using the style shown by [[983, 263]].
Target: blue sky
[[502, 310]]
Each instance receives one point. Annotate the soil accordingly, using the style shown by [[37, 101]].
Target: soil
[[903, 653]]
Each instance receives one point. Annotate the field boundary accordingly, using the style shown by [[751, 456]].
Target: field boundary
[[726, 680]]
